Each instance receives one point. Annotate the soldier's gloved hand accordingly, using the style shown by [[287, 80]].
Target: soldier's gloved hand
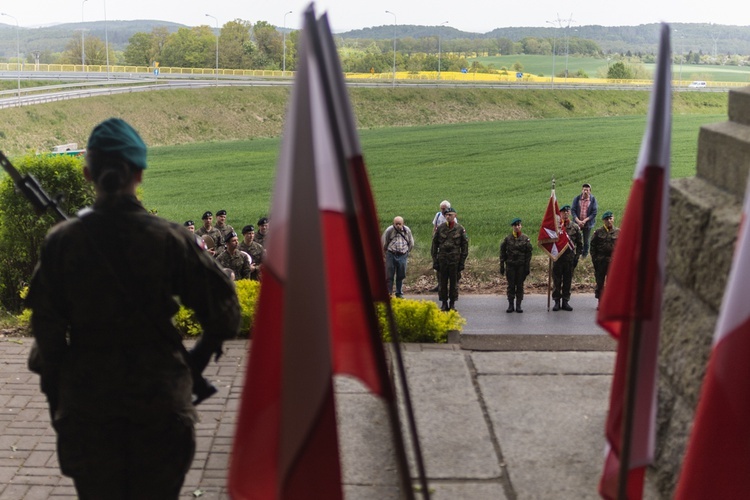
[[502, 268], [435, 265]]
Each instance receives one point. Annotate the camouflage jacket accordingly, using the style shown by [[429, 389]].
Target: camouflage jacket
[[224, 230], [516, 250], [214, 233], [450, 244], [575, 235], [603, 243], [239, 263]]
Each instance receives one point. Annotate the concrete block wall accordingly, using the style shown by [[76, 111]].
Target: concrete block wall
[[704, 217]]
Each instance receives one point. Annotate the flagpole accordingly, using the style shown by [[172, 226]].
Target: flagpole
[[634, 344], [549, 282], [549, 267], [361, 267]]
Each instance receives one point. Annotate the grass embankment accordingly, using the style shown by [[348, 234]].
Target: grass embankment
[[492, 153]]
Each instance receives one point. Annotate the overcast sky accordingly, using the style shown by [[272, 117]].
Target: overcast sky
[[478, 16]]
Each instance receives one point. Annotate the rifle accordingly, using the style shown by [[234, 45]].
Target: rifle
[[30, 188]]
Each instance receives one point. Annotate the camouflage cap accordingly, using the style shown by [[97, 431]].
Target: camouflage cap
[[117, 137]]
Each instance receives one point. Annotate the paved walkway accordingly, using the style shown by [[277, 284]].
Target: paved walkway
[[514, 424]]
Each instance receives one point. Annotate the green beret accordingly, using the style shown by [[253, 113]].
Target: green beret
[[565, 208], [450, 210], [607, 215], [515, 221], [115, 136]]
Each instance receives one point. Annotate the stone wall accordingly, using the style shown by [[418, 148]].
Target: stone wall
[[704, 216]]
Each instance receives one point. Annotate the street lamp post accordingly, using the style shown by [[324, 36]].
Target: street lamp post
[[106, 37], [439, 51], [554, 49], [18, 53], [394, 45], [83, 47], [217, 47], [567, 38], [283, 67]]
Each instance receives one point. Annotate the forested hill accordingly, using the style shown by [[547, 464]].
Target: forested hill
[[697, 38], [686, 37]]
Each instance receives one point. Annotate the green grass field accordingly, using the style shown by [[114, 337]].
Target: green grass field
[[491, 172], [594, 67]]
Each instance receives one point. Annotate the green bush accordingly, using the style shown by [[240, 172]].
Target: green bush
[[419, 321], [247, 294], [21, 230]]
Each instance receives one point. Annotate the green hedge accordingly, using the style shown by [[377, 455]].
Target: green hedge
[[417, 320]]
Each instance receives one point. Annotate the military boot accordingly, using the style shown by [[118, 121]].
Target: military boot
[[556, 307], [518, 306], [444, 306], [452, 305], [566, 306], [510, 308]]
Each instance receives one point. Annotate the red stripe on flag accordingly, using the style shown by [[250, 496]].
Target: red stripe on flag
[[317, 467], [253, 468], [350, 328]]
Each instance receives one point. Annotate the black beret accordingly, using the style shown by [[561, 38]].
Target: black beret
[[248, 229], [189, 223], [221, 212], [263, 221], [206, 215], [229, 236]]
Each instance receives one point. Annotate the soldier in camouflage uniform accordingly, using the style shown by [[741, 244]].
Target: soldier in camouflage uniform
[[565, 265], [254, 249], [222, 226], [515, 258], [450, 247], [260, 236], [602, 245], [112, 365], [207, 229], [235, 259]]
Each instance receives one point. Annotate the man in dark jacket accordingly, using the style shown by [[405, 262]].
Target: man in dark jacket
[[584, 212]]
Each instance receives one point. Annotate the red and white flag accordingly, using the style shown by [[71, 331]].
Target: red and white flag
[[717, 461], [552, 238], [631, 303], [316, 313]]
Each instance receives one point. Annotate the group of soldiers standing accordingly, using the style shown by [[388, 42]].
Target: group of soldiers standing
[[576, 221], [240, 259], [450, 247]]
